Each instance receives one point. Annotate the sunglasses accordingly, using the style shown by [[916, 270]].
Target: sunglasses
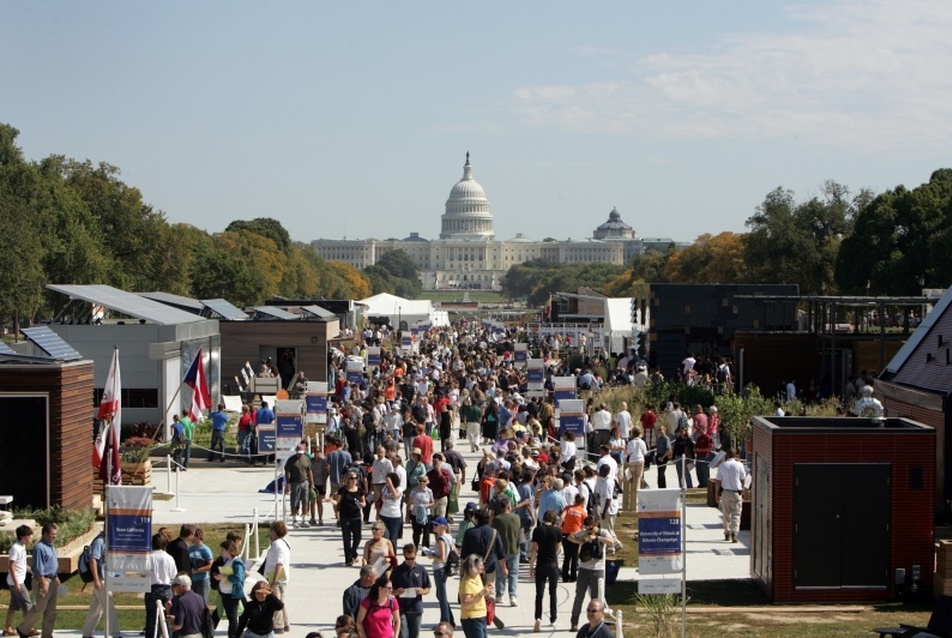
[[441, 633], [593, 611]]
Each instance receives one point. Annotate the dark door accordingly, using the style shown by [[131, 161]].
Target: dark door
[[24, 472], [841, 525]]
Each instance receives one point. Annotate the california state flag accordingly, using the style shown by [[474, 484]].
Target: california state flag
[[110, 412]]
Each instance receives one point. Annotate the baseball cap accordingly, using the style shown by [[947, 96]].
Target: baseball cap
[[183, 580], [301, 448], [439, 520], [471, 507]]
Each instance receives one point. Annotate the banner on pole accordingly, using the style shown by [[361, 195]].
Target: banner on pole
[[373, 357], [563, 387], [659, 531], [315, 402], [521, 353], [355, 371], [129, 536], [572, 417]]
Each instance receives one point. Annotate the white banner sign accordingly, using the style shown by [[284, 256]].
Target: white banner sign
[[660, 531], [129, 537]]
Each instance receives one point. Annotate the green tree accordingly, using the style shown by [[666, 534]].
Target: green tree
[[396, 272], [266, 227]]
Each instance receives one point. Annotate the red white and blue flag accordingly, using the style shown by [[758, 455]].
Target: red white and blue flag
[[110, 412], [196, 380]]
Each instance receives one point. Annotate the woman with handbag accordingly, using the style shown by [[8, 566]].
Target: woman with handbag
[[444, 549], [350, 500], [421, 508]]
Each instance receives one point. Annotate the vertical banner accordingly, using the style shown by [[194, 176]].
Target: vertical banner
[[129, 537], [563, 387], [355, 371], [406, 340], [660, 530], [373, 357], [315, 402], [572, 417], [521, 352], [535, 377]]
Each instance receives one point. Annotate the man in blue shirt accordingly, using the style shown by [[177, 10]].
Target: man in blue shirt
[[45, 572], [99, 603], [265, 416], [219, 423]]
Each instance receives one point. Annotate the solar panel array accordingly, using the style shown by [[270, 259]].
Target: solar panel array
[[169, 299], [317, 311], [225, 309], [127, 303], [275, 312], [51, 343], [5, 349]]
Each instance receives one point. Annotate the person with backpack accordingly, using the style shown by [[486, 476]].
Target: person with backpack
[[92, 567], [445, 564], [591, 540], [544, 565]]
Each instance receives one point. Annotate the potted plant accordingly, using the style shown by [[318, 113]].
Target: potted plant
[[135, 462]]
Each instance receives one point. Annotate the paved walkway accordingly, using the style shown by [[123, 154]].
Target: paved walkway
[[229, 493]]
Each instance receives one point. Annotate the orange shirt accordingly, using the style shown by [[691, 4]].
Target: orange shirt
[[572, 519]]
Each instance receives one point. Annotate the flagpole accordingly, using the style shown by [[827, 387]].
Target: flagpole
[[105, 551]]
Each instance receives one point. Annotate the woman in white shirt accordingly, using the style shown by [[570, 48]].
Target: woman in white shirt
[[568, 452], [391, 509], [277, 571]]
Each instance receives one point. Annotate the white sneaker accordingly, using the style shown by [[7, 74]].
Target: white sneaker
[[537, 627], [304, 524], [513, 602]]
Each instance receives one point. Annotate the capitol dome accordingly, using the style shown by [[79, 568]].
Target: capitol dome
[[467, 215], [614, 228]]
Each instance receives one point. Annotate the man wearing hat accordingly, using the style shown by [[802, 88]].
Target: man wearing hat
[[298, 480], [188, 609]]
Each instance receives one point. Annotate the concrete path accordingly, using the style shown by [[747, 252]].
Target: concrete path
[[213, 492]]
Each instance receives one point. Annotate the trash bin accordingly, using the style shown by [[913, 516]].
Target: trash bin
[[611, 570]]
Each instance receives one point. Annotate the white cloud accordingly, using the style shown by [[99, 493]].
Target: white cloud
[[870, 75]]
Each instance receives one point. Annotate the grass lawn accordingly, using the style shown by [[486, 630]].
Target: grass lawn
[[71, 612]]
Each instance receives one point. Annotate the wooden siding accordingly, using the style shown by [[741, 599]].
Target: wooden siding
[[912, 517], [241, 341], [70, 390]]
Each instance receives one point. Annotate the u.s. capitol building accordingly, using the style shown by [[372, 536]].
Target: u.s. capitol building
[[467, 255]]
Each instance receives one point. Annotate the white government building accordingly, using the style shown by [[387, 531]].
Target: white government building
[[468, 256]]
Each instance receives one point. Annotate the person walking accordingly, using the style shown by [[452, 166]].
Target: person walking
[[350, 501], [379, 614], [162, 571], [592, 541], [411, 583], [544, 565], [472, 597], [731, 474], [219, 424], [297, 482], [231, 583], [187, 613], [16, 578], [257, 620], [277, 564], [508, 524], [445, 546], [100, 601], [635, 453]]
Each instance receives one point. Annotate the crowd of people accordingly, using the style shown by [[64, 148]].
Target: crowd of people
[[542, 497]]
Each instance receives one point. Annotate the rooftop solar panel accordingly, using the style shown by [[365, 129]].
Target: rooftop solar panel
[[127, 303], [5, 349], [185, 303], [51, 343], [275, 313], [317, 311], [225, 309]]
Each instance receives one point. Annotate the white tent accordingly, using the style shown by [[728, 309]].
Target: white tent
[[413, 311], [618, 324]]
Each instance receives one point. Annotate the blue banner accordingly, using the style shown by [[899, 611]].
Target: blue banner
[[316, 404], [290, 426], [573, 424], [265, 439], [537, 375], [659, 536], [564, 394]]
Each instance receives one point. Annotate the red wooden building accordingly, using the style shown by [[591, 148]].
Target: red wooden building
[[839, 504]]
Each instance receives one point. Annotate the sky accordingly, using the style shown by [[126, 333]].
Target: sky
[[344, 119]]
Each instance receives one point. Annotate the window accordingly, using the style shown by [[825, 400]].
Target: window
[[133, 397]]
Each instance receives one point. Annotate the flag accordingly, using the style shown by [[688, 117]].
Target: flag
[[110, 412], [195, 379]]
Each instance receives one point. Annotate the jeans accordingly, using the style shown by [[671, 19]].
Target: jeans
[[589, 580], [474, 627], [158, 592], [410, 625], [187, 453], [394, 526], [96, 607], [218, 443], [686, 473], [200, 587], [446, 612], [511, 581], [548, 573], [703, 469], [244, 443], [350, 530], [231, 613]]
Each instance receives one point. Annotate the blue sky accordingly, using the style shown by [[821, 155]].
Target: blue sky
[[353, 119]]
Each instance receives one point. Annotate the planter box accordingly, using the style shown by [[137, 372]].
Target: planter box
[[67, 557], [137, 473]]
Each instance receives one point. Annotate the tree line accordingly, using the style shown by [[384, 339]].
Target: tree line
[[837, 242], [70, 222]]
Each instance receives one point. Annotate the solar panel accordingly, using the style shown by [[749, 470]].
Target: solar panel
[[275, 313], [127, 303], [225, 309], [178, 301], [51, 343], [5, 349], [317, 311]]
